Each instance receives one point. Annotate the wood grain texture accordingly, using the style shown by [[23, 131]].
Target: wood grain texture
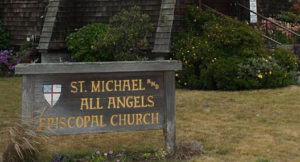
[[91, 98], [28, 98], [124, 66], [69, 104], [169, 125]]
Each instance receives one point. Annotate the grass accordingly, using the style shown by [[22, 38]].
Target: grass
[[258, 126]]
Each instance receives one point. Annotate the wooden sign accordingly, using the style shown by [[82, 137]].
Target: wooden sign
[[74, 98]]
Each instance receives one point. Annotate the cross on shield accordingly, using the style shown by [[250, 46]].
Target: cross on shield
[[52, 93]]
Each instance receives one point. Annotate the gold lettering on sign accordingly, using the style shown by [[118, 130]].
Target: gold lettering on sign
[[94, 119], [89, 104], [74, 87], [112, 120], [91, 121], [121, 102], [79, 124], [118, 85], [63, 123], [111, 102], [126, 84], [84, 103], [108, 89], [86, 121], [50, 122], [111, 85], [69, 122], [134, 119], [81, 85], [95, 88], [128, 98], [98, 104], [41, 124]]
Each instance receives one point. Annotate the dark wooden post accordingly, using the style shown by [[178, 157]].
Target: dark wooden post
[[169, 127], [200, 3]]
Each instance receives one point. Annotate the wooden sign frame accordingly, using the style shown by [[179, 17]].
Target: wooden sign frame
[[150, 75]]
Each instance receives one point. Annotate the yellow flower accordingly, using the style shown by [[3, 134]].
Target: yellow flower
[[176, 74], [260, 76], [270, 72]]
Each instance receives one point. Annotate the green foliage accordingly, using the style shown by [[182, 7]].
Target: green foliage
[[280, 37], [125, 39], [195, 18], [287, 16], [232, 38], [132, 29], [221, 74], [285, 59], [265, 73], [4, 38], [83, 42], [27, 46], [148, 154], [226, 54]]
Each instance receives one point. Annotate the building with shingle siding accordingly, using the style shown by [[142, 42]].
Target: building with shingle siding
[[50, 21]]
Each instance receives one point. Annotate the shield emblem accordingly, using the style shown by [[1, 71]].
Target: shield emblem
[[52, 93]]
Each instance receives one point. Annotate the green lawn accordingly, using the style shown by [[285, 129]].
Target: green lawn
[[260, 125]]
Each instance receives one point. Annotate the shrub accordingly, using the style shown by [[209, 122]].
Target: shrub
[[226, 54], [124, 40], [83, 43], [4, 38], [132, 28], [195, 18], [232, 38], [285, 59], [8, 61], [289, 17], [266, 72], [222, 75]]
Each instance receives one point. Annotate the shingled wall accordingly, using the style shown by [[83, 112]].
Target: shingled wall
[[22, 18], [271, 8], [78, 13]]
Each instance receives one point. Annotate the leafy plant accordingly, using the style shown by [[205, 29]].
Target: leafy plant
[[83, 43], [132, 28], [4, 38], [223, 54], [289, 17], [8, 61], [285, 59], [125, 39]]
